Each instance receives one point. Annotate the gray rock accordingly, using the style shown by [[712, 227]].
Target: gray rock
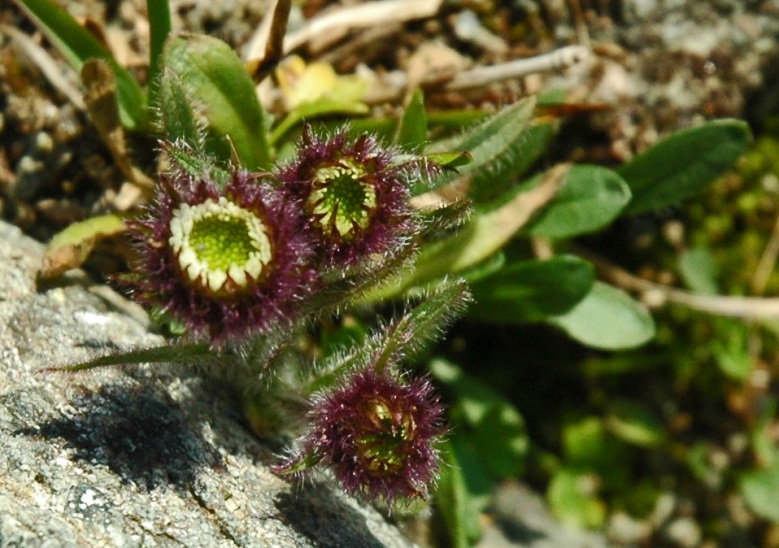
[[523, 520], [134, 456]]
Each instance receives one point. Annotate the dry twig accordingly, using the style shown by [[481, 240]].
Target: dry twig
[[323, 30], [394, 85], [46, 64], [735, 307]]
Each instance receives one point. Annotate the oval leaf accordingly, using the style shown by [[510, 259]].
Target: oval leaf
[[532, 290], [591, 197], [683, 163], [607, 318]]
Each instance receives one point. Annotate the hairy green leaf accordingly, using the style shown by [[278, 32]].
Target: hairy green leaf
[[177, 118], [192, 353], [390, 344], [496, 146], [216, 80], [425, 322]]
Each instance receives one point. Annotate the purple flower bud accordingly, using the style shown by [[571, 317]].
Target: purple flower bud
[[355, 194], [378, 433], [224, 261]]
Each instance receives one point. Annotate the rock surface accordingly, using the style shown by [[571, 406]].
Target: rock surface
[[134, 457]]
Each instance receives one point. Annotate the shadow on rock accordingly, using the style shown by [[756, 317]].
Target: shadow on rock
[[328, 522], [139, 435]]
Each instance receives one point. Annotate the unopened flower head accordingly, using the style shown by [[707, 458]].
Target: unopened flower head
[[378, 433], [224, 261], [355, 193]]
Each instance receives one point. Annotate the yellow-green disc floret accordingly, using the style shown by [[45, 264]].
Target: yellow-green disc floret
[[342, 200], [216, 240]]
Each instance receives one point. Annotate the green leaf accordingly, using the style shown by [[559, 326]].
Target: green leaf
[[491, 424], [585, 442], [425, 322], [633, 423], [77, 45], [590, 199], [451, 159], [699, 270], [760, 489], [189, 353], [455, 503], [412, 130], [196, 164], [496, 148], [502, 430], [401, 338], [323, 106], [498, 180], [485, 268], [159, 29], [683, 163], [530, 291], [177, 115], [572, 497], [439, 222], [215, 78], [607, 318], [730, 348]]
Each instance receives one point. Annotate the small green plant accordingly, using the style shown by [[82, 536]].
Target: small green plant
[[250, 252]]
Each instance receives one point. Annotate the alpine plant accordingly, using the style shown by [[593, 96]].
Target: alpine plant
[[235, 256]]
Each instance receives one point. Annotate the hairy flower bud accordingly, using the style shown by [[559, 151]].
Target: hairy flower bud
[[378, 434], [355, 194], [226, 260]]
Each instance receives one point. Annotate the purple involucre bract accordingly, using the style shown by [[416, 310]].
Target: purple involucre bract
[[378, 433], [234, 303], [356, 195]]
